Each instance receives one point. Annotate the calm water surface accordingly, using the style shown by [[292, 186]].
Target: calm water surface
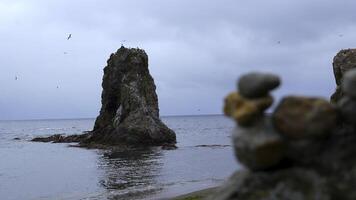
[[55, 171]]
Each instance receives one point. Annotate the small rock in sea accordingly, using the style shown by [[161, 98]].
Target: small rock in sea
[[347, 109], [255, 85], [348, 84], [302, 117], [246, 111], [52, 138], [258, 147], [169, 147]]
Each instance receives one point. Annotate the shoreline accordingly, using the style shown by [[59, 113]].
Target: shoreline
[[196, 195]]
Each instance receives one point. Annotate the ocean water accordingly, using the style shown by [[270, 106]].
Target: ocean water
[[30, 170]]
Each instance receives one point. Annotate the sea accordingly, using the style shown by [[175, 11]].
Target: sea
[[41, 171]]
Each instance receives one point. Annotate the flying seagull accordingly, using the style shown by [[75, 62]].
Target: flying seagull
[[69, 36]]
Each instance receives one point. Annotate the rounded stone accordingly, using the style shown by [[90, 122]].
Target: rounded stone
[[303, 117], [255, 85], [348, 84], [245, 111], [258, 147]]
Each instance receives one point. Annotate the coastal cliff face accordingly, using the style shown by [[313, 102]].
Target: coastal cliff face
[[129, 112], [304, 150]]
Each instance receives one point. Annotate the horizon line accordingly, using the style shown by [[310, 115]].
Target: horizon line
[[85, 118]]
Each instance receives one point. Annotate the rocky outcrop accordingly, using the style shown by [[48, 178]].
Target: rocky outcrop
[[304, 150], [129, 114], [344, 61]]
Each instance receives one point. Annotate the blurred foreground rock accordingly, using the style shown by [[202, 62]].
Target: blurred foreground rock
[[305, 150], [304, 117]]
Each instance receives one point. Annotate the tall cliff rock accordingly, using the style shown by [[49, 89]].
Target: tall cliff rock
[[129, 112]]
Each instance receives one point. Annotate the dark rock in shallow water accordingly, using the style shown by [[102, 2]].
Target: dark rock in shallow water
[[58, 138], [344, 61], [255, 85], [303, 117], [169, 147], [129, 112]]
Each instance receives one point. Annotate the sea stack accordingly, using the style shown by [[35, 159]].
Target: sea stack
[[129, 113]]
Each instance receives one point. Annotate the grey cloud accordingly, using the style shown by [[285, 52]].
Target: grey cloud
[[197, 49]]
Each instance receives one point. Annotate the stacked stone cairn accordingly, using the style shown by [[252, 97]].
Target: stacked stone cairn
[[257, 145], [304, 149]]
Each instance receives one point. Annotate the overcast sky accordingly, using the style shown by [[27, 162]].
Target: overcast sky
[[197, 49]]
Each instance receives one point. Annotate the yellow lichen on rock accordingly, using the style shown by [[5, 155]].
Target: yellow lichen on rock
[[244, 110]]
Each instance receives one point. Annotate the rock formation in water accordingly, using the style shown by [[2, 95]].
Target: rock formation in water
[[129, 114], [304, 150]]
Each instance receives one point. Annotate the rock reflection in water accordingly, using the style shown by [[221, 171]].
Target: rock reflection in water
[[131, 173]]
